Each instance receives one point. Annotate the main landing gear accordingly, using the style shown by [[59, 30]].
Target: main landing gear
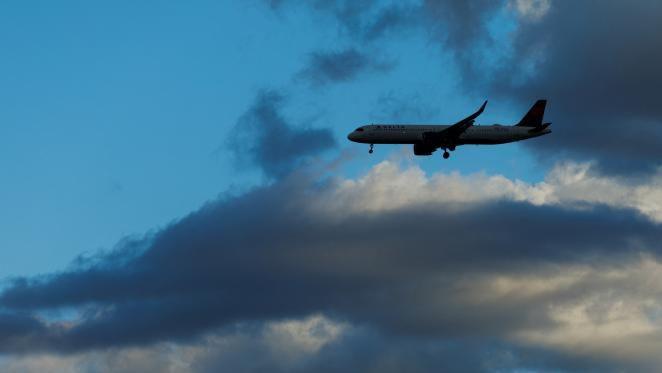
[[371, 146], [446, 153]]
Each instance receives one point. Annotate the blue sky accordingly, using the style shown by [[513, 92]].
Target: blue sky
[[114, 116]]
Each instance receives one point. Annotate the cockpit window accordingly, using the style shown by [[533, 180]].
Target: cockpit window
[[360, 129]]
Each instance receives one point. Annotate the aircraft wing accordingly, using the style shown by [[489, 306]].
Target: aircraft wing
[[453, 132]]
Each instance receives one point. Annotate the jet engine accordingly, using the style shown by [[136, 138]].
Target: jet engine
[[423, 149]]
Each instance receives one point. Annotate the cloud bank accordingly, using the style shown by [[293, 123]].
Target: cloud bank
[[397, 256]]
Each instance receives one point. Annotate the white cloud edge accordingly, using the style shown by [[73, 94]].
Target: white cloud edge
[[531, 10], [390, 186]]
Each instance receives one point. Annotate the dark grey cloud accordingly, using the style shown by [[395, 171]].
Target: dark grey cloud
[[599, 66], [340, 66], [461, 29], [15, 326], [263, 137], [271, 254], [367, 350]]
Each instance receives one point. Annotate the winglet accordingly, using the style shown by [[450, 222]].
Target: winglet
[[482, 107], [453, 132], [475, 115]]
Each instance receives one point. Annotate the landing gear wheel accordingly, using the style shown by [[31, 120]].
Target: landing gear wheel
[[371, 146], [446, 154]]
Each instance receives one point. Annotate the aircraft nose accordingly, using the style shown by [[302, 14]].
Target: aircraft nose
[[352, 136]]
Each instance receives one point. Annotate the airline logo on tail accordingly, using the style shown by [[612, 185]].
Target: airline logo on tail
[[533, 117]]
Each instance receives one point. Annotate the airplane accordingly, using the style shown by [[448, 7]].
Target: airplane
[[427, 138]]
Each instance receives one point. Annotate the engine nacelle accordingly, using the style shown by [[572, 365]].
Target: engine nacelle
[[423, 149]]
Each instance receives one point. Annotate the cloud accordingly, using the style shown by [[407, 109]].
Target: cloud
[[394, 18], [532, 10], [368, 254], [340, 66], [599, 66], [264, 138], [604, 314], [451, 17], [14, 326], [314, 343]]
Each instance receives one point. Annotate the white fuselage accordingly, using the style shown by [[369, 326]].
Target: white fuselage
[[413, 134]]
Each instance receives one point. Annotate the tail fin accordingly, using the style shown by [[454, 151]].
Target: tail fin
[[533, 117]]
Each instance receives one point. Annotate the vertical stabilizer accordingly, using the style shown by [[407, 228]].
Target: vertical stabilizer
[[533, 117]]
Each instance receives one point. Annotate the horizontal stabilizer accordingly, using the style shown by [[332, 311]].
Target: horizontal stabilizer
[[540, 128]]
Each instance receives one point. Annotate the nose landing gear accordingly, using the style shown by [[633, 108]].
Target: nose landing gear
[[446, 154], [371, 146]]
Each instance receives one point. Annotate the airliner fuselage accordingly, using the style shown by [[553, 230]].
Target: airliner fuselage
[[427, 138], [412, 134]]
